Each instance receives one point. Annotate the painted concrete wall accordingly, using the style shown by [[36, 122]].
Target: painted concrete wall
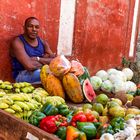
[[12, 16], [102, 30]]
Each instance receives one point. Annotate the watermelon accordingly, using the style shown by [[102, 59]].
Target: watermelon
[[88, 90], [84, 76]]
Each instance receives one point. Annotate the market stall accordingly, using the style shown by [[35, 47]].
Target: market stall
[[70, 103]]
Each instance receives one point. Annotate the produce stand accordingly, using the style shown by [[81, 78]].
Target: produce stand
[[17, 129]]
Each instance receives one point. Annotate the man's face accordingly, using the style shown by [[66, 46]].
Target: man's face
[[32, 28]]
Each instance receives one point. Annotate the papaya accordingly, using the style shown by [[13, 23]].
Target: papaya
[[72, 87], [54, 86], [60, 65], [51, 83], [44, 73]]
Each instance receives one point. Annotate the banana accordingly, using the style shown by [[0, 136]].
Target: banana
[[6, 83], [31, 105], [17, 97], [38, 98], [10, 110], [24, 117], [3, 105], [25, 96], [36, 104], [2, 86], [17, 90], [16, 108], [55, 100], [25, 90], [60, 99], [27, 84], [43, 100], [23, 105], [8, 101], [9, 87], [28, 115], [22, 84], [16, 85], [18, 115], [2, 93], [31, 88], [40, 91], [1, 82]]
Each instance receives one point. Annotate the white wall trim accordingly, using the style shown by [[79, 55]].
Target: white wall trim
[[134, 27], [66, 27]]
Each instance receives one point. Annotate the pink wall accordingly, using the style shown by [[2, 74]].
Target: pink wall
[[101, 36]]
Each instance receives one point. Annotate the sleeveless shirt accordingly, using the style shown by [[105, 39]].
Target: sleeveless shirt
[[31, 51]]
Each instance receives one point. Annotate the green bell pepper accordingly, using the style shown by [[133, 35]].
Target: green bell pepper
[[36, 117], [97, 124], [117, 124], [49, 110], [61, 132], [88, 128], [116, 120], [63, 109]]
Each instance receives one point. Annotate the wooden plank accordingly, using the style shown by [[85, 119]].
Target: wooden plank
[[17, 129]]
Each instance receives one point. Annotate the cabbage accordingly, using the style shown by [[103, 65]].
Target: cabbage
[[118, 76], [130, 86], [102, 74], [107, 136], [128, 72], [107, 86], [121, 74], [112, 71], [96, 82], [118, 86]]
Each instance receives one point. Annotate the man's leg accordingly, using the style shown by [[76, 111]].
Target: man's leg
[[26, 76]]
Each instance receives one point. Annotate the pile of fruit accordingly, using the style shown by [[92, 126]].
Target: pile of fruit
[[21, 99], [63, 77], [103, 118]]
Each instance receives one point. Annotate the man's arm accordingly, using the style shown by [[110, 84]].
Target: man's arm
[[48, 51], [48, 56], [18, 51]]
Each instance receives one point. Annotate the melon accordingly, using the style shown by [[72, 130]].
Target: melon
[[88, 90], [84, 76], [76, 68]]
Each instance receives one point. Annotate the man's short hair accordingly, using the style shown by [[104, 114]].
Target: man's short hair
[[29, 19]]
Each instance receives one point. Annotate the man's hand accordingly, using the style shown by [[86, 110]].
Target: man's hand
[[52, 55]]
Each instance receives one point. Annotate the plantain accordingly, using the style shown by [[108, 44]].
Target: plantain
[[17, 97], [16, 107], [38, 98], [2, 93], [3, 105], [31, 105], [6, 100], [9, 110], [23, 105]]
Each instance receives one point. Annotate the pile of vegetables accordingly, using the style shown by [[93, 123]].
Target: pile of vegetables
[[114, 81]]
